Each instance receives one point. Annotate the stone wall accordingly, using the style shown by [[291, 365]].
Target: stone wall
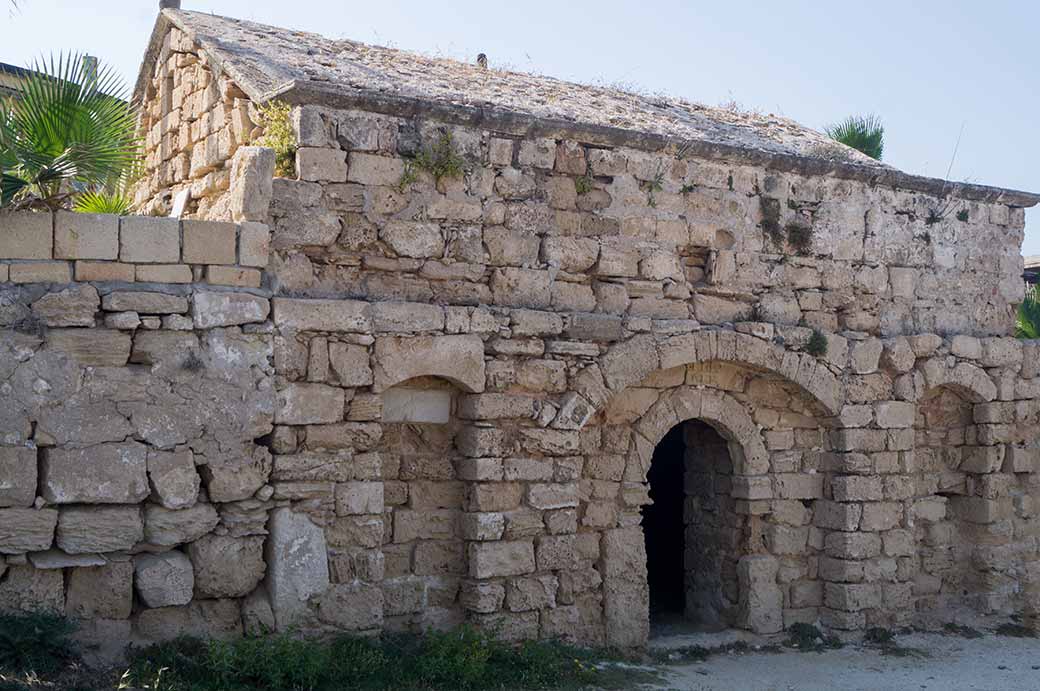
[[193, 120], [448, 407]]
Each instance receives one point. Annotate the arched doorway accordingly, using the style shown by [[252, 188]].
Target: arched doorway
[[692, 533]]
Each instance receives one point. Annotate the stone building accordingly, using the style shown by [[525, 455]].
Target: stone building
[[556, 360]]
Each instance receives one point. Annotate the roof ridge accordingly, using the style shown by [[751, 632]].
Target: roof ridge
[[303, 67]]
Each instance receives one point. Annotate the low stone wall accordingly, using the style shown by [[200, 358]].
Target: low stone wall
[[41, 247]]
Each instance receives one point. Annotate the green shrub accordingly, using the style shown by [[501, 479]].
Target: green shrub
[[276, 119], [461, 659], [37, 642], [817, 344], [441, 159]]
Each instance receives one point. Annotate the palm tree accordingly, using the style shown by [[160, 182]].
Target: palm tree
[[865, 133], [1027, 324], [70, 130]]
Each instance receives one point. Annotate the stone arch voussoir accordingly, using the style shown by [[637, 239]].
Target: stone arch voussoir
[[630, 362], [721, 411], [967, 380]]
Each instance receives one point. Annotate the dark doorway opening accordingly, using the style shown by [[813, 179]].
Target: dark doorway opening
[[691, 531], [663, 528]]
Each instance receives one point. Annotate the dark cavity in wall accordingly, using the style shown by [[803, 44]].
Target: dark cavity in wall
[[691, 583]]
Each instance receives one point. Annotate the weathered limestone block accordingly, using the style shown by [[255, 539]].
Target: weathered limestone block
[[457, 358], [307, 404], [26, 530], [100, 592], [254, 244], [352, 606], [482, 596], [372, 169], [252, 171], [350, 364], [227, 566], [761, 598], [149, 240], [208, 242], [358, 436], [29, 590], [102, 474], [164, 580], [630, 362], [865, 356], [83, 529], [257, 616], [321, 164], [297, 565], [359, 498], [26, 235], [167, 528], [17, 476], [227, 309], [74, 306], [144, 302], [513, 287], [413, 239], [218, 619], [235, 477], [406, 316], [322, 315], [505, 558], [91, 347], [173, 479], [536, 592]]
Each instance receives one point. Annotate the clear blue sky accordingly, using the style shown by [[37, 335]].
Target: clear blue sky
[[926, 67]]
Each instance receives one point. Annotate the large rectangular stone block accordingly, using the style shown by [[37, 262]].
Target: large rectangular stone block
[[92, 347], [100, 474], [322, 315], [26, 530], [17, 476], [208, 242], [149, 240], [86, 236], [506, 558], [307, 404], [26, 235], [86, 529]]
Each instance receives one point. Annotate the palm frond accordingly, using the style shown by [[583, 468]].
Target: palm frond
[[864, 133], [103, 203], [1027, 322], [70, 125]]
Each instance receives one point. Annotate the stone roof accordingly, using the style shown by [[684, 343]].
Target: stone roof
[[269, 62]]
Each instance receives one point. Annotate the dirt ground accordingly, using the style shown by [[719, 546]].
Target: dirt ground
[[914, 661]]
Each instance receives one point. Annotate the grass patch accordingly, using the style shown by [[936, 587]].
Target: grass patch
[[884, 641], [440, 160], [1015, 630], [699, 653], [462, 659], [954, 629], [35, 643], [807, 637]]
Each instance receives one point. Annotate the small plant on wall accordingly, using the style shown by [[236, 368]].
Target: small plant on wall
[[817, 344], [276, 119], [69, 132]]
